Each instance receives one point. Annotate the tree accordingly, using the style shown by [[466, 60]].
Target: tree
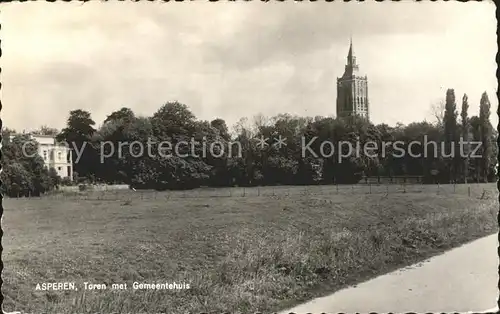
[[475, 163], [6, 134], [424, 158], [42, 182], [124, 114], [244, 168], [221, 127], [465, 135], [78, 135], [450, 133], [79, 126], [16, 180], [438, 111], [485, 131], [114, 140], [128, 165], [173, 118], [25, 173], [54, 177], [176, 124], [301, 169]]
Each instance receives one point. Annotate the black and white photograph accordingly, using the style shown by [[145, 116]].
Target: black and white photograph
[[246, 157]]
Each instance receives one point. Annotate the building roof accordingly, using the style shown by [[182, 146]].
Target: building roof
[[42, 135], [32, 134]]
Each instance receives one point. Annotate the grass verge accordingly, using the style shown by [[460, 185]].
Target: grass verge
[[239, 254]]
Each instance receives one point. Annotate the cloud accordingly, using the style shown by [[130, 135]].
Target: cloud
[[231, 60]]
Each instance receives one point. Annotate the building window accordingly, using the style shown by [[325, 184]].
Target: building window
[[59, 168], [44, 155], [59, 156]]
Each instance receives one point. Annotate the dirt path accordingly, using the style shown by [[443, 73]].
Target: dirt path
[[461, 280]]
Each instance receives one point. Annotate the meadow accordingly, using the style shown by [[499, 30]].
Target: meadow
[[241, 249]]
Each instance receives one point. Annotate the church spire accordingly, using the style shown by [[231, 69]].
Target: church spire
[[351, 59], [350, 49]]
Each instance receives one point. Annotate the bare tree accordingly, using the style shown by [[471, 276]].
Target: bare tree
[[437, 111], [243, 127], [260, 121]]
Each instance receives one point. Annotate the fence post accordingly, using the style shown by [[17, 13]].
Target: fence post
[[258, 191], [370, 188], [438, 188], [244, 191], [454, 187], [337, 186], [468, 188]]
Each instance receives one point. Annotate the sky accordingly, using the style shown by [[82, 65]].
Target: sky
[[239, 59]]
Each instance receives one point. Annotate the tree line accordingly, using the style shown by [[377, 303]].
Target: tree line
[[256, 165]]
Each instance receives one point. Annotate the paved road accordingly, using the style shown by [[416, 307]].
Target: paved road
[[464, 279]]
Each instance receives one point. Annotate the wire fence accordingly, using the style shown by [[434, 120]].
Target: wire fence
[[480, 191]]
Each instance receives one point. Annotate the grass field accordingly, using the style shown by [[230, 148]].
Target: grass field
[[241, 250]]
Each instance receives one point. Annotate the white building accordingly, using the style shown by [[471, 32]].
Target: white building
[[55, 155]]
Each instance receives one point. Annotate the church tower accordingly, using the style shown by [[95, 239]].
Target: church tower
[[352, 90]]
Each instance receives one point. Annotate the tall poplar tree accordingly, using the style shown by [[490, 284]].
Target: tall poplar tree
[[485, 131], [450, 133], [465, 135]]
